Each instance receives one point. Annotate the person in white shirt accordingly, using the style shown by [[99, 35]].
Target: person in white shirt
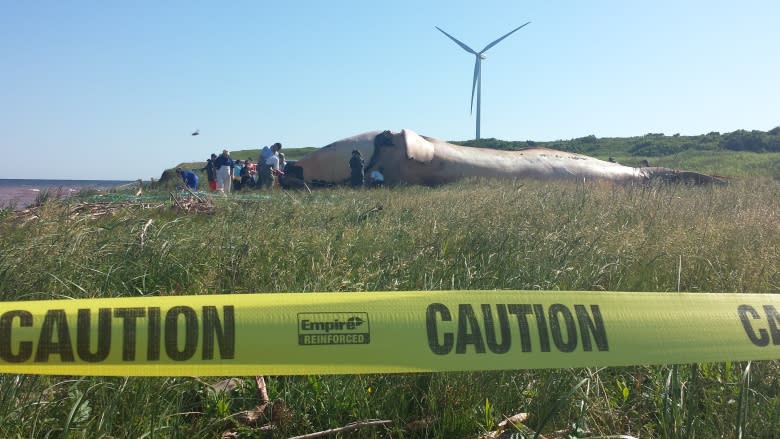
[[377, 177], [267, 166]]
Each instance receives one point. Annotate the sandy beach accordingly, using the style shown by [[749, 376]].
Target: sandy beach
[[19, 194]]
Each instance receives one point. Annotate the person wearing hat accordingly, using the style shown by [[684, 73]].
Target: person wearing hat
[[356, 166]]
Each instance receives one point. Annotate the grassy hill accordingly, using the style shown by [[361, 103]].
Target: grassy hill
[[737, 154]]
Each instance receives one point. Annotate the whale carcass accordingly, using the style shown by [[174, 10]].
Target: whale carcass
[[407, 157]]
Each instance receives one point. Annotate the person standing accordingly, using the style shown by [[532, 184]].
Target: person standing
[[268, 164], [224, 165], [277, 169], [270, 170], [356, 169], [211, 172], [238, 165]]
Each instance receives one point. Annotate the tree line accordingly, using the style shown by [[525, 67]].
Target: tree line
[[649, 145]]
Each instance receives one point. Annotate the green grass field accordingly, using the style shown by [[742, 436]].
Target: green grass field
[[478, 234]]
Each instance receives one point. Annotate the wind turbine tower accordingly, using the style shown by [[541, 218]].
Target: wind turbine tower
[[477, 83]]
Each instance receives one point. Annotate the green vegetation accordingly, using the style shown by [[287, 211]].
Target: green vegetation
[[478, 234], [737, 154]]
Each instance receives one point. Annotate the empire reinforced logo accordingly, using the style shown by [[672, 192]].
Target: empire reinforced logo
[[329, 328]]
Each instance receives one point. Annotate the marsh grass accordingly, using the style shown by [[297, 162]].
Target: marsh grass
[[479, 234]]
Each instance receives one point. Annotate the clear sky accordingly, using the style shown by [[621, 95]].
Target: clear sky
[[112, 90]]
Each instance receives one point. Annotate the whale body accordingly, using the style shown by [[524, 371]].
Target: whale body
[[409, 158]]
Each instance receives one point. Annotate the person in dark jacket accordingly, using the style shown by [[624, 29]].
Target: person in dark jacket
[[211, 172], [246, 176], [224, 165], [356, 166]]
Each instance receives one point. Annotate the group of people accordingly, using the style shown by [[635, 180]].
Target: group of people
[[225, 174]]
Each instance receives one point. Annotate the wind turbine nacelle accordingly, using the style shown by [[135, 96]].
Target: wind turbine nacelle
[[482, 56]]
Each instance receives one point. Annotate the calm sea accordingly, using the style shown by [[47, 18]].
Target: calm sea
[[20, 193]]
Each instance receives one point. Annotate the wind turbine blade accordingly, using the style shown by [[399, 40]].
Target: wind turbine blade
[[465, 47], [477, 72], [499, 40]]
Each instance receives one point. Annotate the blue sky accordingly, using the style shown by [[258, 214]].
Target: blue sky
[[112, 90]]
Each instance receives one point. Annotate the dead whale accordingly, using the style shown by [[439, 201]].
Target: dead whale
[[409, 158]]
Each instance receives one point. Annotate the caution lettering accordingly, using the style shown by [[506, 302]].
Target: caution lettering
[[496, 327], [760, 328], [208, 331]]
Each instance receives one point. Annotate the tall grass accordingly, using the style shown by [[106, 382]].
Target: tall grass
[[480, 234]]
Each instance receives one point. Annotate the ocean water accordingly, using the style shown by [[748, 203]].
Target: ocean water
[[20, 193]]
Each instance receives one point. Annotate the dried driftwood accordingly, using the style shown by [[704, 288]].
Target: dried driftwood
[[86, 210], [348, 427], [191, 202]]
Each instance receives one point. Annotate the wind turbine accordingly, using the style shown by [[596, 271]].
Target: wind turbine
[[477, 84]]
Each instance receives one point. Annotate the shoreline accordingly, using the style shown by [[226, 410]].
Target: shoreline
[[18, 194]]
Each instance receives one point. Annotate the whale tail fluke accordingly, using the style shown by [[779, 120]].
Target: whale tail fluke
[[667, 175]]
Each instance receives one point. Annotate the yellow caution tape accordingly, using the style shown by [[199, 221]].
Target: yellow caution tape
[[382, 332]]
